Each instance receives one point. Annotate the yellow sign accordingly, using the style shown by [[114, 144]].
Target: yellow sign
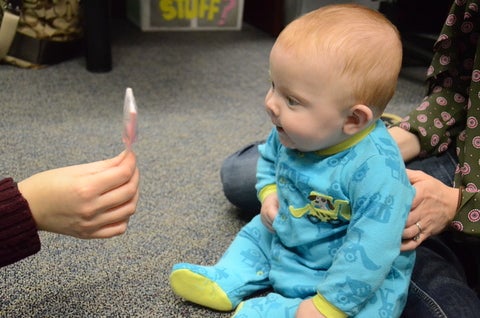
[[189, 9]]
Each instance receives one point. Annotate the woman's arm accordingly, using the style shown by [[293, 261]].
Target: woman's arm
[[407, 142], [18, 232]]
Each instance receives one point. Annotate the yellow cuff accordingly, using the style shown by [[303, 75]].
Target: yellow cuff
[[326, 308], [266, 191]]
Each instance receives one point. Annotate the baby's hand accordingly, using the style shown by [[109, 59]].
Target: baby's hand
[[308, 310], [269, 211]]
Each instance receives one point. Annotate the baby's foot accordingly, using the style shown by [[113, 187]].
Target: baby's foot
[[197, 284]]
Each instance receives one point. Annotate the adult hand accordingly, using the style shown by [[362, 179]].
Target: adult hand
[[433, 208], [93, 200], [308, 310], [269, 210]]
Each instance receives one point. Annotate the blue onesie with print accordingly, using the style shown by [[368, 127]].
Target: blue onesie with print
[[337, 235]]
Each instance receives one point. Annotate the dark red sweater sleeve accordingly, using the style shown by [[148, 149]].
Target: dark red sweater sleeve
[[18, 232]]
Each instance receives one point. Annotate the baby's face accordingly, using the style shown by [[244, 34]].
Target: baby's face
[[303, 102]]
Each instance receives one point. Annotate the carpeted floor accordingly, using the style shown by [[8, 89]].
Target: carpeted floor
[[200, 97]]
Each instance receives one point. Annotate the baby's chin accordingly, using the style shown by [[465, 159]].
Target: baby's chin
[[294, 147], [287, 144], [291, 146]]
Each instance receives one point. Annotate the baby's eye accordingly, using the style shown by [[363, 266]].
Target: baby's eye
[[292, 101], [273, 85]]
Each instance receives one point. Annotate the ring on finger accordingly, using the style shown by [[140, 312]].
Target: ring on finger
[[417, 237], [420, 229]]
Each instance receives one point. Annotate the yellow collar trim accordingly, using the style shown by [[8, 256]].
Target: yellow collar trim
[[350, 142]]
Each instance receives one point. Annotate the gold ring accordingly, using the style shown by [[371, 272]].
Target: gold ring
[[420, 230]]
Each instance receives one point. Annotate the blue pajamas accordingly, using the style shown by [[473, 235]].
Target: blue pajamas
[[337, 234]]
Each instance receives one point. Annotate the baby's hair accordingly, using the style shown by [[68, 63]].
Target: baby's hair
[[362, 47]]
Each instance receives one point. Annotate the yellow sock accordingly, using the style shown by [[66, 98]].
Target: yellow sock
[[199, 289]]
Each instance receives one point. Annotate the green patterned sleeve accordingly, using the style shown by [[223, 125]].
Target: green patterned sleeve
[[451, 111], [468, 214], [437, 120], [441, 116]]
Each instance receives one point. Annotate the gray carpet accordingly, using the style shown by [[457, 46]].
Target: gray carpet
[[200, 97]]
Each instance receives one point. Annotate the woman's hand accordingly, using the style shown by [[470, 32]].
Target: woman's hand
[[269, 210], [433, 208], [93, 200]]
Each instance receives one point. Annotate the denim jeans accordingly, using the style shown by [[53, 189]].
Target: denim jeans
[[238, 175], [439, 286]]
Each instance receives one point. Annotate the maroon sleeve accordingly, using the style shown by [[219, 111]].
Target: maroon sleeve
[[18, 232]]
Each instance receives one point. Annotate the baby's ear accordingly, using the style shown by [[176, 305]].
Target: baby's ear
[[359, 117]]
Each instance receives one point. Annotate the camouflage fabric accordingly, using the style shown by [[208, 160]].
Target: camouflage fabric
[[49, 20]]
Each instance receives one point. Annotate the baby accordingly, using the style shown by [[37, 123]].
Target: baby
[[332, 183]]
